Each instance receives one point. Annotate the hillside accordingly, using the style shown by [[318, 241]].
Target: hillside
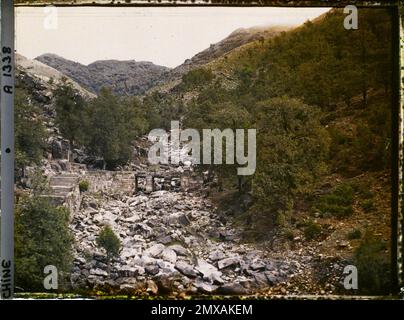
[[318, 200], [123, 77], [236, 39], [332, 189]]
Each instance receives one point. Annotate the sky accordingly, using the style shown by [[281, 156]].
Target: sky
[[165, 36]]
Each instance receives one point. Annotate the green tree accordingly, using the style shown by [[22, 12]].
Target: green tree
[[111, 127], [30, 134], [109, 242], [42, 237], [70, 113], [293, 149]]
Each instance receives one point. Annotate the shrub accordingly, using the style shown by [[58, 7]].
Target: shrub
[[109, 242], [373, 266], [367, 205], [337, 203], [312, 230], [83, 185], [42, 237], [354, 234], [196, 78]]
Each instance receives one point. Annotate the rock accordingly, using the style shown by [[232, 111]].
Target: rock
[[261, 279], [152, 287], [179, 250], [232, 289], [272, 278], [169, 255], [257, 265], [216, 255], [152, 269], [134, 218], [208, 271], [183, 220], [130, 272], [204, 287], [57, 152], [165, 239], [224, 263], [98, 272], [186, 269], [155, 250]]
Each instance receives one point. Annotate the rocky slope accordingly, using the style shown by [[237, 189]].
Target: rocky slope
[[236, 39], [176, 242], [123, 77], [44, 76]]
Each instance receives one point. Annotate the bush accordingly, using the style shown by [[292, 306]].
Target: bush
[[83, 185], [337, 203], [373, 266], [109, 242], [42, 237], [355, 234], [367, 205], [312, 230], [196, 78]]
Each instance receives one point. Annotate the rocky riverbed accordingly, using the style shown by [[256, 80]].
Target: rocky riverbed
[[172, 242]]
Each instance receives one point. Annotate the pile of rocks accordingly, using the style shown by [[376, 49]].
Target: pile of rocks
[[172, 242]]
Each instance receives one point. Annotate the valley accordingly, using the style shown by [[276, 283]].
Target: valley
[[317, 201]]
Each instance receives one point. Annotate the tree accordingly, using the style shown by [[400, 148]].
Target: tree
[[42, 237], [109, 242], [30, 134], [70, 115], [293, 152], [112, 125]]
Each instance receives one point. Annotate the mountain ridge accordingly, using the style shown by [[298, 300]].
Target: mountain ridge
[[124, 77]]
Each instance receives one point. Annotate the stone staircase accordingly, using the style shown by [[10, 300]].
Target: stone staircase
[[65, 190]]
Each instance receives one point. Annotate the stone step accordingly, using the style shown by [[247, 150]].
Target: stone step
[[62, 190], [63, 180]]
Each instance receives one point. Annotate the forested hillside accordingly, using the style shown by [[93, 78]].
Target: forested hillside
[[319, 97]]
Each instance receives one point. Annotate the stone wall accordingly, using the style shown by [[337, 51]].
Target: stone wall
[[111, 181]]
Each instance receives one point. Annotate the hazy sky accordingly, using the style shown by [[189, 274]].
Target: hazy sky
[[165, 36]]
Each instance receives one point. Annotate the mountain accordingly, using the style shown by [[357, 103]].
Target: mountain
[[45, 74], [123, 77], [237, 39]]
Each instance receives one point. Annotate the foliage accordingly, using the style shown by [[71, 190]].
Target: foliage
[[161, 110], [312, 230], [355, 234], [83, 185], [70, 108], [42, 237], [109, 242], [373, 266], [196, 78], [30, 134], [337, 203], [292, 151]]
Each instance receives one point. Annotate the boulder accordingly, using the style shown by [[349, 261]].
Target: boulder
[[186, 269], [179, 250], [169, 255], [228, 262], [152, 269], [155, 250], [208, 271]]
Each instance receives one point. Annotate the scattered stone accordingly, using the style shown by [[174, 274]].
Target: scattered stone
[[152, 269], [155, 250], [186, 269], [224, 263]]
